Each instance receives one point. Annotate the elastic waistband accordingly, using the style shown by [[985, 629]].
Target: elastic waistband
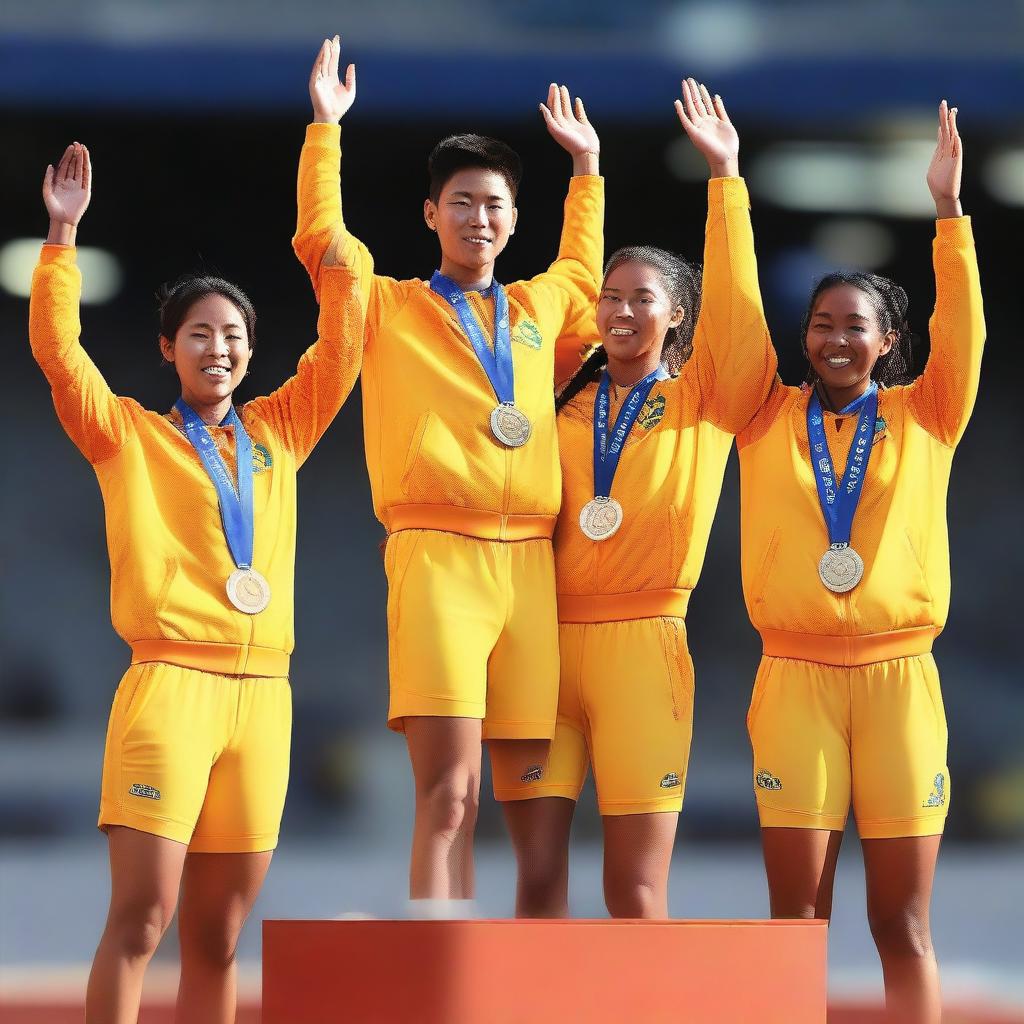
[[471, 522], [224, 659], [643, 604], [848, 651]]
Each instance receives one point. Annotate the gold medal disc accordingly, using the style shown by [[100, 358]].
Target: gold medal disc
[[600, 518], [841, 569], [510, 425], [248, 591]]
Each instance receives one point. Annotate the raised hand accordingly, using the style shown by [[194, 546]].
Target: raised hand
[[947, 165], [331, 99], [66, 193], [569, 127], [707, 123]]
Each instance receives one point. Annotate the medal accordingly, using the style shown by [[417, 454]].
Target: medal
[[841, 568], [602, 515], [247, 590], [600, 518], [509, 425]]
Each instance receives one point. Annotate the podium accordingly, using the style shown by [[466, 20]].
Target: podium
[[544, 972]]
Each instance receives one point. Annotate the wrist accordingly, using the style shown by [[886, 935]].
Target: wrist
[[728, 168], [325, 119], [948, 207], [585, 163], [61, 233]]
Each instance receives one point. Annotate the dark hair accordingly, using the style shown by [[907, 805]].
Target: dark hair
[[682, 283], [457, 152], [175, 300], [891, 305]]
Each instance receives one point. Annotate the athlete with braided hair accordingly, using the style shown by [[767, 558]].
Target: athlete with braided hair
[[846, 577], [644, 429]]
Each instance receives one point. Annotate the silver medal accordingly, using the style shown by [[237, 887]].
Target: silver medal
[[841, 568], [248, 591], [600, 518], [510, 425]]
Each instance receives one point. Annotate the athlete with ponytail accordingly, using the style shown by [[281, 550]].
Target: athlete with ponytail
[[644, 430], [846, 577]]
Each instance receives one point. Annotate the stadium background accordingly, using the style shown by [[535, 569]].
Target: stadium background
[[194, 115]]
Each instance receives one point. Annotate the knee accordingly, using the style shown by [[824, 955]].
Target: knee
[[451, 805], [542, 884], [211, 941], [137, 928], [902, 933], [635, 898]]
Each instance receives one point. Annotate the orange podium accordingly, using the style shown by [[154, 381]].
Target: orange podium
[[544, 972]]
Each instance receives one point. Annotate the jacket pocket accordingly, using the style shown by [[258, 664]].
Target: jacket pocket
[[414, 451], [765, 568]]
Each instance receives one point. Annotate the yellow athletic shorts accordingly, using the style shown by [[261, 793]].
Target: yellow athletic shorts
[[197, 757], [473, 632], [825, 736], [625, 705]]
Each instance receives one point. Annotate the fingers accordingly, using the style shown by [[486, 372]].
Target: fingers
[[955, 145], [683, 119], [76, 164], [566, 102], [549, 119], [86, 170], [65, 164], [720, 109], [350, 79], [334, 56], [318, 65], [581, 114], [552, 96], [48, 182], [705, 96]]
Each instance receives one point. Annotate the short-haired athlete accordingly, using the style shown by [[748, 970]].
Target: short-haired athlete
[[645, 427], [200, 513], [462, 453], [846, 577]]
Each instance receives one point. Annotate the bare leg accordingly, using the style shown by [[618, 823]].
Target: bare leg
[[145, 872], [637, 858], [801, 868], [899, 874], [540, 835], [218, 891], [445, 755]]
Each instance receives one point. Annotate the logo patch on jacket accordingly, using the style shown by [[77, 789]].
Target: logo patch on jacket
[[527, 333], [261, 458], [766, 780], [140, 789], [651, 413], [938, 794]]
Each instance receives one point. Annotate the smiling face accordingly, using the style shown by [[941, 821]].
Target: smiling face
[[634, 313], [844, 340], [473, 217], [210, 351]]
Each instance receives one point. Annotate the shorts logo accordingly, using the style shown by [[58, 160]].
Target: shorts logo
[[533, 774], [149, 792], [670, 781], [261, 458], [527, 334], [766, 780], [938, 795], [652, 412]]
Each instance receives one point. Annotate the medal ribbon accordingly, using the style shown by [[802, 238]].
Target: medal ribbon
[[497, 364], [236, 507], [608, 449], [839, 503]]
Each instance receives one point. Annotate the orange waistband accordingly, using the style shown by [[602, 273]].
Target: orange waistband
[[848, 651], [643, 604], [224, 659], [471, 522]]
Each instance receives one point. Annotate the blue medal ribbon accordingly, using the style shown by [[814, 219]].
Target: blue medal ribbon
[[839, 502], [497, 364], [236, 507], [608, 449]]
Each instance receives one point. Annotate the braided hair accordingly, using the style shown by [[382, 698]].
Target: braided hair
[[681, 281], [891, 305]]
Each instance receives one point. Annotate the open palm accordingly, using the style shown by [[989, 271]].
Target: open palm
[[707, 123], [67, 190], [568, 124], [331, 97]]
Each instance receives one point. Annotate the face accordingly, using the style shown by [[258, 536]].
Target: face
[[844, 340], [210, 350], [634, 312], [473, 217]]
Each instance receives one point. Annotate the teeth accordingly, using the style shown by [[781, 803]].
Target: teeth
[[215, 371], [624, 331], [838, 361]]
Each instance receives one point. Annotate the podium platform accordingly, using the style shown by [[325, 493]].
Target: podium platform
[[544, 972]]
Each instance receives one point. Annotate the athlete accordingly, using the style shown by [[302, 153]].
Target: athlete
[[462, 454], [846, 577], [644, 427], [200, 513]]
